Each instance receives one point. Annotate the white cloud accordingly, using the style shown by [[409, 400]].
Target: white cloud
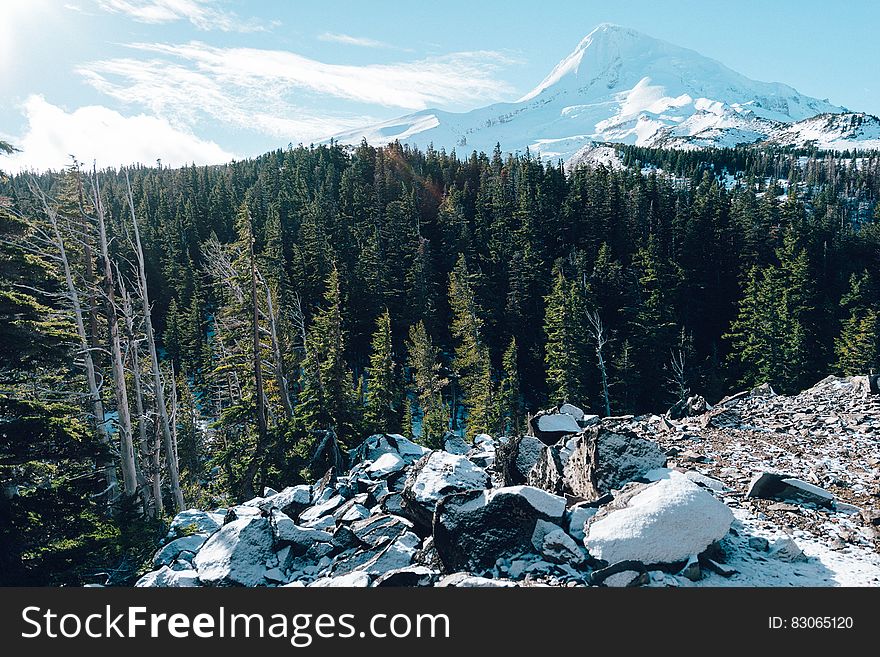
[[203, 14], [98, 133], [348, 40], [272, 90]]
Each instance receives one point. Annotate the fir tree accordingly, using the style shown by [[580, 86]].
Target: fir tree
[[510, 403], [382, 412], [471, 362], [427, 386], [565, 345], [858, 346]]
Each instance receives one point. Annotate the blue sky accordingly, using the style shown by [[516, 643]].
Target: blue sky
[[207, 80]]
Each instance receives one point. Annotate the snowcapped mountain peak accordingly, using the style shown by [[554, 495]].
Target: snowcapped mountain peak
[[619, 85]]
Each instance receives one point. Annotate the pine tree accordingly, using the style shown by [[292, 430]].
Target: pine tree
[[328, 395], [565, 345], [471, 361], [510, 403], [858, 346], [382, 412], [427, 386]]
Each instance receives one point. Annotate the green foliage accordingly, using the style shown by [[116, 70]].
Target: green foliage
[[383, 407]]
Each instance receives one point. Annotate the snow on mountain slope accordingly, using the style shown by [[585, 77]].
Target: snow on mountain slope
[[832, 131], [622, 86]]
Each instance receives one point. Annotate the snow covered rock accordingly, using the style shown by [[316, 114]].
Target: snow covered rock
[[237, 554], [378, 530], [170, 551], [168, 578], [194, 521], [385, 465], [435, 475], [299, 538], [555, 545], [551, 425], [663, 522], [574, 411], [466, 580], [773, 486], [384, 443], [515, 459], [349, 580], [291, 501], [472, 530], [577, 517], [321, 509]]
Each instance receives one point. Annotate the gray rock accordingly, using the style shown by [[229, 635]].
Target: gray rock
[[759, 543], [472, 530], [595, 462], [349, 580], [378, 530], [775, 486], [408, 577], [550, 426], [237, 554], [165, 577], [466, 580], [455, 444], [193, 521], [170, 551], [292, 501], [515, 459], [785, 549], [299, 538], [435, 475], [555, 545], [321, 509], [384, 443]]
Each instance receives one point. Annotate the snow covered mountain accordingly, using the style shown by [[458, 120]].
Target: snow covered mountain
[[622, 86]]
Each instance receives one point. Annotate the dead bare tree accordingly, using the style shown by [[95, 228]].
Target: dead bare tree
[[73, 298], [170, 447], [678, 373], [597, 331], [126, 442]]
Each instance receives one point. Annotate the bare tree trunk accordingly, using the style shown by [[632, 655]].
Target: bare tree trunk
[[280, 374], [173, 472], [89, 267], [152, 501], [598, 331], [126, 444], [91, 378]]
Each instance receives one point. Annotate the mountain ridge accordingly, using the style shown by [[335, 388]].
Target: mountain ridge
[[621, 86]]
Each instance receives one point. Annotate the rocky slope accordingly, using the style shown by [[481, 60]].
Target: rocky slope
[[761, 490]]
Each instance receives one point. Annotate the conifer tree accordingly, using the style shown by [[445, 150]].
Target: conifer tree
[[858, 346], [471, 362], [510, 403], [427, 386], [565, 345], [382, 412]]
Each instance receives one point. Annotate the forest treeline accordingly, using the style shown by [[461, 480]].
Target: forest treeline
[[180, 337]]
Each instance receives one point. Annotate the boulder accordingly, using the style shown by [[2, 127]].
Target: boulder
[[170, 551], [321, 509], [384, 443], [167, 578], [236, 554], [516, 458], [292, 501], [690, 407], [555, 545], [455, 444], [874, 384], [378, 560], [659, 523], [385, 465], [574, 411], [300, 539], [550, 426], [472, 530], [595, 462], [437, 474], [577, 517], [378, 530], [408, 577], [785, 549], [349, 580], [466, 580], [774, 486], [193, 521]]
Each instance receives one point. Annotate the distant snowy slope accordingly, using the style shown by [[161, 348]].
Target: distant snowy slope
[[622, 86]]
